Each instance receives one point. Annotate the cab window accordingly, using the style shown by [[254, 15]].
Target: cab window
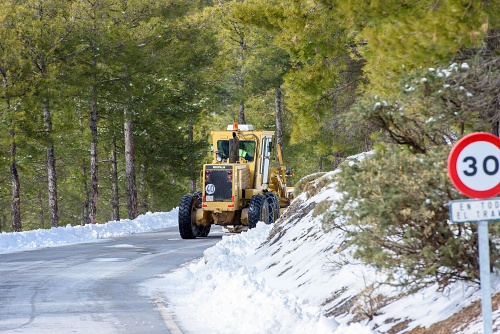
[[246, 149], [266, 159]]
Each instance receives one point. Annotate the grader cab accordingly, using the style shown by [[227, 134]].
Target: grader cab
[[240, 187]]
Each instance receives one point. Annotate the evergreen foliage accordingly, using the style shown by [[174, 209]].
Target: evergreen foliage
[[392, 34], [435, 106], [322, 84], [395, 207], [399, 220], [68, 55]]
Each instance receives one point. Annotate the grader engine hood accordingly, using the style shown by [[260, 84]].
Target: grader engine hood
[[223, 186], [218, 183]]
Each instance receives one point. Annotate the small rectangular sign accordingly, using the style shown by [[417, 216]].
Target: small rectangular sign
[[473, 210], [219, 167]]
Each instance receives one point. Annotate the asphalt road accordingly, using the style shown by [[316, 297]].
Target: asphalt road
[[93, 287]]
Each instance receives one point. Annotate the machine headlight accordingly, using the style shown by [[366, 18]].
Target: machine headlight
[[218, 156]]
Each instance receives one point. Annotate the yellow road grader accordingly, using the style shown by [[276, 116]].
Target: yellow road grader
[[240, 187]]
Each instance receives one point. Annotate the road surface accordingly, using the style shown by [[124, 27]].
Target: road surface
[[93, 287]]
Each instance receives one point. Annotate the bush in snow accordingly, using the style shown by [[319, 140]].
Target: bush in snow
[[396, 202], [394, 209]]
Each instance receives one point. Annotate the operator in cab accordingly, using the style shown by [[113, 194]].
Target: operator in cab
[[244, 151]]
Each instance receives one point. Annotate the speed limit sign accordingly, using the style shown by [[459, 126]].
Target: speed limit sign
[[474, 165], [474, 169]]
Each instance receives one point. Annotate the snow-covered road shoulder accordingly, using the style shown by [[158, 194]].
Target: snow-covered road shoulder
[[293, 277], [224, 293], [59, 236]]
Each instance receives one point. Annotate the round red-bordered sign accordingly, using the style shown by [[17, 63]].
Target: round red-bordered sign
[[474, 165]]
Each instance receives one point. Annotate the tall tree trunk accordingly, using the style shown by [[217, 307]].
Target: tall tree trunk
[[241, 81], [16, 186], [51, 169], [115, 200], [279, 119], [241, 113], [130, 167], [191, 139], [94, 191], [84, 170], [3, 222]]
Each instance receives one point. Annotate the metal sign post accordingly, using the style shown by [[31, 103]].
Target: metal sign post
[[474, 169], [484, 272], [476, 211]]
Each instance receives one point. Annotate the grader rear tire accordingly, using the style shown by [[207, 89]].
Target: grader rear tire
[[274, 206], [187, 213], [258, 211]]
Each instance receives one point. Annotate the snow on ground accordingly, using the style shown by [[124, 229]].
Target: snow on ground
[[290, 277], [58, 236], [295, 278]]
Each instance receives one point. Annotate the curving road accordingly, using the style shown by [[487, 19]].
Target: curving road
[[93, 287]]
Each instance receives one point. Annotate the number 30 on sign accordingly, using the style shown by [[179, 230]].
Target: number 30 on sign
[[474, 165]]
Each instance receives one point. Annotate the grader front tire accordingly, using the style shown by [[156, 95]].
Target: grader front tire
[[187, 217]]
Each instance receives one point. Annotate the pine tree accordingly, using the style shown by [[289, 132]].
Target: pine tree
[[43, 33], [392, 35], [322, 84], [14, 69]]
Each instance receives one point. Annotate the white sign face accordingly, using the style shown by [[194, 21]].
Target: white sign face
[[478, 165], [475, 210], [474, 165]]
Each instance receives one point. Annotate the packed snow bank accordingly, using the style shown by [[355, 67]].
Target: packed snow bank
[[301, 257], [224, 293], [249, 283], [293, 277], [57, 236]]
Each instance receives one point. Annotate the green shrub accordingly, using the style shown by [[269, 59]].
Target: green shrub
[[395, 211]]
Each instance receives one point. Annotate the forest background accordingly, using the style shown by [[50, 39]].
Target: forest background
[[106, 106]]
